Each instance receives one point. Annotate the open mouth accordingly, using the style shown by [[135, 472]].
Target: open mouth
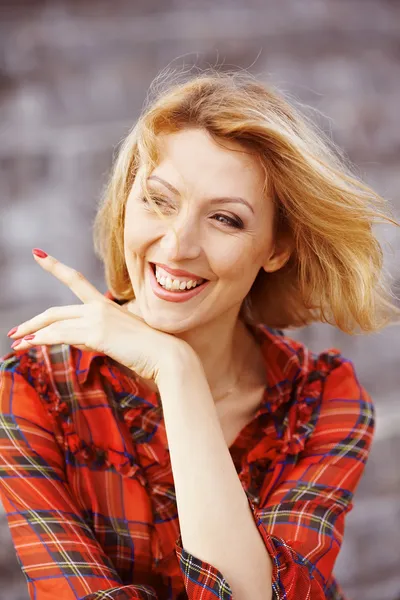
[[169, 293], [153, 267]]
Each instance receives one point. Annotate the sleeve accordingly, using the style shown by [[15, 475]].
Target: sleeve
[[302, 520], [56, 549]]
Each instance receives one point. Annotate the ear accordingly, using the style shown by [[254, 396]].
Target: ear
[[281, 253]]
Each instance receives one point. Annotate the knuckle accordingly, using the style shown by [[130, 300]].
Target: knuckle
[[48, 329], [94, 337], [100, 310], [78, 276], [73, 277]]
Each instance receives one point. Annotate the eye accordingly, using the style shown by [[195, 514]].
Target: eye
[[158, 201], [230, 222], [235, 223], [161, 202]]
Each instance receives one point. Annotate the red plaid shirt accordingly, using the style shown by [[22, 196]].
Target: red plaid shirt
[[87, 485]]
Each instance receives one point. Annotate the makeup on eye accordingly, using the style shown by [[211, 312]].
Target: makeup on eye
[[233, 222], [219, 199]]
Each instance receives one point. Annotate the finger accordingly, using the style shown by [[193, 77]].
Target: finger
[[73, 279], [24, 345], [61, 332], [49, 316]]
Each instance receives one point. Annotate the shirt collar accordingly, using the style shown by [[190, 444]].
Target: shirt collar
[[83, 363]]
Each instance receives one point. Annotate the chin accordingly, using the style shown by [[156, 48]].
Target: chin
[[166, 324]]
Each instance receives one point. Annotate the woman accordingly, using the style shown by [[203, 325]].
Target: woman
[[166, 440]]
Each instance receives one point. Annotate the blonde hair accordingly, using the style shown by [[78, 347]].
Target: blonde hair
[[335, 273]]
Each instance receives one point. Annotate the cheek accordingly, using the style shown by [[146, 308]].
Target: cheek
[[241, 260], [131, 239], [237, 265], [135, 232], [140, 229]]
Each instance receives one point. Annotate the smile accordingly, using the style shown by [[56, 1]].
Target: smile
[[176, 294]]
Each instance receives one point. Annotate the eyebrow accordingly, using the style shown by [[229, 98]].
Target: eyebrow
[[222, 200]]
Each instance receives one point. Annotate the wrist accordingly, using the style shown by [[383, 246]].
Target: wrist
[[180, 361]]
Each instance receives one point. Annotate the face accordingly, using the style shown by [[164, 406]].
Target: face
[[224, 242]]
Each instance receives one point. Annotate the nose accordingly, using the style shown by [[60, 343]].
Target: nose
[[181, 242]]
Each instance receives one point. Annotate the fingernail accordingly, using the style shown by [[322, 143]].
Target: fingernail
[[12, 331], [15, 343], [28, 337], [40, 253]]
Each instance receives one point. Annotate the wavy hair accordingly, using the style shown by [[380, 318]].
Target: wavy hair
[[335, 273]]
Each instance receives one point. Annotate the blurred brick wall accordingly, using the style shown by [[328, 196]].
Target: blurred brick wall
[[73, 77]]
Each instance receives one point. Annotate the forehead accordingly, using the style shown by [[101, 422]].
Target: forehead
[[194, 162]]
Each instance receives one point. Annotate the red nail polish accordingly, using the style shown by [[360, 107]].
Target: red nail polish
[[28, 337], [15, 343], [40, 253], [12, 331]]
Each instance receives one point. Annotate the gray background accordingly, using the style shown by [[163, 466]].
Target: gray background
[[73, 77]]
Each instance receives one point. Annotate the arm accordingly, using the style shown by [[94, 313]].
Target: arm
[[58, 553], [300, 524], [210, 496]]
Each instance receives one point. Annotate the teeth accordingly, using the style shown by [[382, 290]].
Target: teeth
[[176, 284]]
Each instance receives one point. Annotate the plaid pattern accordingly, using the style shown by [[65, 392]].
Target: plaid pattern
[[87, 485]]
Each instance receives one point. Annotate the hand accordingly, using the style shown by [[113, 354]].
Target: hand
[[100, 325]]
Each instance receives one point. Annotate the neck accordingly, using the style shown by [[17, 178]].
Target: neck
[[225, 349], [229, 353]]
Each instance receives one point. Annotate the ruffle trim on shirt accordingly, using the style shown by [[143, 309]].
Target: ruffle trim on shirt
[[34, 371], [289, 411], [32, 366]]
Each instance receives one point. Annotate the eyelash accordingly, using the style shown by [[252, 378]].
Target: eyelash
[[234, 223]]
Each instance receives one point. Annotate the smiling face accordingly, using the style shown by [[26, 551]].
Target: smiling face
[[224, 242]]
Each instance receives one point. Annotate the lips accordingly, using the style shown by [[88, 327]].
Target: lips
[[177, 272], [173, 296]]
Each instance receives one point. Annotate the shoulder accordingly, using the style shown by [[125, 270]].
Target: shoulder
[[24, 370], [44, 366], [51, 378], [321, 374], [32, 365], [317, 397], [28, 382], [21, 365], [344, 415]]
